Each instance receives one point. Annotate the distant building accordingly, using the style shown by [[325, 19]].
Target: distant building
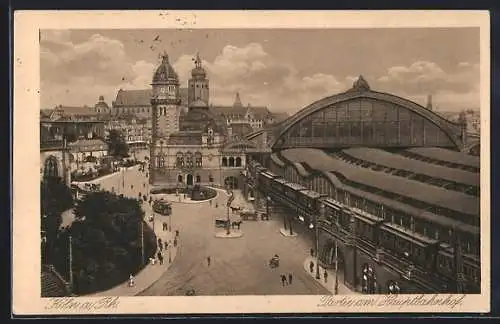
[[257, 117]]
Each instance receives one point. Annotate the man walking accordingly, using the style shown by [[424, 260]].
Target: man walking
[[283, 280], [325, 275], [208, 261], [290, 278], [160, 257]]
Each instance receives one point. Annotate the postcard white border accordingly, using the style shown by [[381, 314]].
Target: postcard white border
[[26, 207]]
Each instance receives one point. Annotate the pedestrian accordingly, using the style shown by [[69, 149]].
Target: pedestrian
[[325, 275], [159, 241], [144, 185], [176, 233], [311, 266], [208, 260], [131, 281], [132, 187], [290, 278], [160, 257], [216, 204], [312, 252], [160, 246], [175, 242], [166, 245], [283, 280]]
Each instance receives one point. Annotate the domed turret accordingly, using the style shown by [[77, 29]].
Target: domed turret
[[198, 86], [198, 71], [165, 73]]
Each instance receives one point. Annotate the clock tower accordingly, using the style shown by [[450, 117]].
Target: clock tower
[[165, 104]]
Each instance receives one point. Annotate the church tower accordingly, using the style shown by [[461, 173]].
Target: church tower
[[165, 104], [198, 90], [165, 100]]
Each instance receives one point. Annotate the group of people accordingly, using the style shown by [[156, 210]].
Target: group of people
[[311, 269], [284, 280], [369, 280]]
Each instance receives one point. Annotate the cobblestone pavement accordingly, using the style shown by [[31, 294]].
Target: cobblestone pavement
[[238, 266]]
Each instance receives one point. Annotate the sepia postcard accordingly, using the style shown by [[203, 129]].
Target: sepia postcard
[[230, 162]]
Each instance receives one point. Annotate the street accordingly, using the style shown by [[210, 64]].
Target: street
[[238, 266]]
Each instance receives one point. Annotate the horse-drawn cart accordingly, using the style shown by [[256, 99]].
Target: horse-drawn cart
[[248, 215]]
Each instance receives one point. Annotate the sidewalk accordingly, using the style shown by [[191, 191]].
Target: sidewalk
[[330, 284], [150, 273]]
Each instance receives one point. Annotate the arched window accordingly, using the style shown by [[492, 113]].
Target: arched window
[[224, 161], [231, 161], [179, 178], [238, 161], [198, 159], [189, 159], [198, 178], [51, 168], [179, 162]]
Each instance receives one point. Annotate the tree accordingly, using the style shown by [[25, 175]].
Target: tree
[[117, 146], [106, 242], [56, 197]]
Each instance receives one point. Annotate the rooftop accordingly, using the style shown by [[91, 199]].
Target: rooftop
[[452, 200], [400, 162], [445, 155]]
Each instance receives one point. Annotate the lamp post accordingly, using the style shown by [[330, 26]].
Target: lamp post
[[71, 262], [268, 200], [142, 240], [170, 221], [336, 288]]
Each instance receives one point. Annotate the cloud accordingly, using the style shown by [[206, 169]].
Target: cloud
[[423, 77], [76, 73]]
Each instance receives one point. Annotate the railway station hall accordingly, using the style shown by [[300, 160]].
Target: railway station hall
[[378, 182]]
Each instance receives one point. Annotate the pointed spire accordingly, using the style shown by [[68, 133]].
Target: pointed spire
[[429, 102], [197, 61], [164, 57], [360, 85], [237, 100]]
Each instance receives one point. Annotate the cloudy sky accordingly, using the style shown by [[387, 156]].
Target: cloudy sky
[[282, 69]]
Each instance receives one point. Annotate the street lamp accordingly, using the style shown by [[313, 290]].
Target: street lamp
[[316, 233], [336, 288]]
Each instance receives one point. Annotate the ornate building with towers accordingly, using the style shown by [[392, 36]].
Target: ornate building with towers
[[190, 147]]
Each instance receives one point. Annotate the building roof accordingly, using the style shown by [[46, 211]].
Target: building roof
[[445, 155], [400, 162], [133, 97], [229, 111], [399, 206], [452, 200], [75, 111], [185, 138], [241, 128], [199, 104], [259, 112], [278, 117], [140, 98]]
